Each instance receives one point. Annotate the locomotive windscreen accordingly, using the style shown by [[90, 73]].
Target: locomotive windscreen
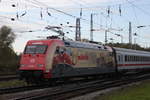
[[35, 49]]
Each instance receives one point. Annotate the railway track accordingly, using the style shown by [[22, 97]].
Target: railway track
[[20, 89], [8, 77], [71, 90], [34, 87]]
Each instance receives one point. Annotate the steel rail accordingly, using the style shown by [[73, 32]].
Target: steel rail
[[66, 92]]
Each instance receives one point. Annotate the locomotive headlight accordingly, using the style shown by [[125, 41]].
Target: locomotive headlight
[[40, 65], [22, 65]]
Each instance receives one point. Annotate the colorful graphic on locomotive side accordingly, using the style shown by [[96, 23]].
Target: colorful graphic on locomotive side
[[81, 57]]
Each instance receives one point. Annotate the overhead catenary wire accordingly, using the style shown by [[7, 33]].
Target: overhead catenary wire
[[45, 5], [39, 6], [141, 9], [60, 11]]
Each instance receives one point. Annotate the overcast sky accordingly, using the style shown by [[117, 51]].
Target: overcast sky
[[29, 14]]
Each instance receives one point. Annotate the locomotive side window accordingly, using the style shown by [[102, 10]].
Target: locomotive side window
[[35, 49], [68, 51]]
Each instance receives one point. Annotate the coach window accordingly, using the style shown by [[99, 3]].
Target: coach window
[[119, 58], [142, 58], [135, 58], [125, 58], [146, 58], [128, 58], [132, 58]]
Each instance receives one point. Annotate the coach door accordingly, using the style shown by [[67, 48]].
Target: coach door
[[120, 59]]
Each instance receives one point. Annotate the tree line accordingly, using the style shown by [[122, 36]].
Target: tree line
[[9, 60]]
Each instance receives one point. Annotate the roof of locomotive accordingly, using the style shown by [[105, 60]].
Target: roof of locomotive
[[71, 43], [42, 41], [79, 44]]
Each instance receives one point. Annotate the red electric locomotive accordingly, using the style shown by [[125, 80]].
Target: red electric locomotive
[[55, 58]]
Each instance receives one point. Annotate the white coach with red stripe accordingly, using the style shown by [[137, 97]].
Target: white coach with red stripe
[[128, 59]]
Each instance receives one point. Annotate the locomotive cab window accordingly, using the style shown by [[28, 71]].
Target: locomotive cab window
[[35, 49], [61, 50]]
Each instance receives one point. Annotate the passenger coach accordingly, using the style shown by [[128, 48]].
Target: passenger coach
[[128, 60]]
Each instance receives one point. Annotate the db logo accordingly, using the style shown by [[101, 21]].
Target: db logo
[[32, 61]]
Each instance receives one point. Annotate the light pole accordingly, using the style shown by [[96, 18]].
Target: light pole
[[91, 26], [105, 36], [120, 37], [135, 34]]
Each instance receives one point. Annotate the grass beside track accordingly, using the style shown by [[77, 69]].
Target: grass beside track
[[136, 92], [12, 83]]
